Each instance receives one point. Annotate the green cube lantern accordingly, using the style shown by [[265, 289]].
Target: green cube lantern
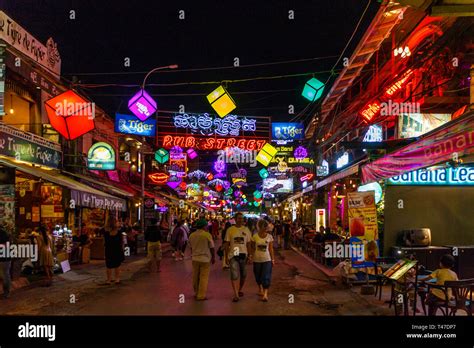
[[162, 156], [313, 89], [257, 194], [263, 173]]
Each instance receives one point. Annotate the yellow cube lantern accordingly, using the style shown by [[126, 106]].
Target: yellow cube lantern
[[221, 101], [266, 154]]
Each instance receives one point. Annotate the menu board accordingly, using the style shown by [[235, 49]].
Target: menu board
[[363, 226], [400, 269]]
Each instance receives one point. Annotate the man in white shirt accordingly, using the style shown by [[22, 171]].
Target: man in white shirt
[[203, 254], [237, 246]]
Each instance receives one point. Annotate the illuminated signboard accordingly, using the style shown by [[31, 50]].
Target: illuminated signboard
[[371, 110], [287, 131], [101, 156], [128, 124], [275, 185], [398, 85], [211, 143], [374, 134], [205, 124], [343, 160], [442, 176], [210, 132], [373, 186], [323, 169]]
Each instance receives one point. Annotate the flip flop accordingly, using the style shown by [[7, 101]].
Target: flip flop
[[235, 299], [241, 294], [265, 299]]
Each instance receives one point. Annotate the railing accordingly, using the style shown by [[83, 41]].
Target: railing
[[33, 138]]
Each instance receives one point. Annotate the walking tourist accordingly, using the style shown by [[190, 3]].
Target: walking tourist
[[114, 253], [237, 245], [203, 255], [153, 238], [225, 261], [263, 258], [179, 240], [5, 263]]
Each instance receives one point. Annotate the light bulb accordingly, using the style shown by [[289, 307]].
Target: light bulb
[[12, 111]]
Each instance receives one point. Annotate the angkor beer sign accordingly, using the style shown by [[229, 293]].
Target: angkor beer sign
[[14, 35], [209, 132]]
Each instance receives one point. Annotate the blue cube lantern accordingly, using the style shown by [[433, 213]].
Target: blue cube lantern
[[313, 89]]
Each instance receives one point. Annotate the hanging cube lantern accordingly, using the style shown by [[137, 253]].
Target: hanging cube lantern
[[313, 89], [192, 154], [70, 115], [221, 101], [266, 154], [142, 105], [219, 187], [162, 156], [183, 186], [257, 194], [209, 176], [263, 173], [174, 182]]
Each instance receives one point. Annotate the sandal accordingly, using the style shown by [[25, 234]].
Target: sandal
[[235, 299], [265, 299], [241, 294]]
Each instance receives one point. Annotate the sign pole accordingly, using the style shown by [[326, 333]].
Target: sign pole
[[142, 211]]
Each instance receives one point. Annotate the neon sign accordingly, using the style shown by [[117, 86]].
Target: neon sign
[[159, 178], [398, 85], [370, 110], [442, 176], [300, 152], [211, 143], [307, 177], [207, 125], [101, 156], [374, 134], [343, 160]]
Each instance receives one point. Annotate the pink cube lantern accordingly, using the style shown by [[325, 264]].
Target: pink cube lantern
[[142, 105]]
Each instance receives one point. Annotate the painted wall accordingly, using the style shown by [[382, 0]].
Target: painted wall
[[447, 210]]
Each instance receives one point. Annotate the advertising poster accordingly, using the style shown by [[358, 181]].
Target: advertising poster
[[51, 201], [363, 226], [7, 205]]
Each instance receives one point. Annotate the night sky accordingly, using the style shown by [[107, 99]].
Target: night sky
[[93, 47], [212, 34]]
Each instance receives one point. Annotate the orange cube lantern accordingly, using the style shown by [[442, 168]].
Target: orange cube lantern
[[70, 114]]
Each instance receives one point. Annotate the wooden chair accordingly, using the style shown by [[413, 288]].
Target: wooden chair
[[462, 296]]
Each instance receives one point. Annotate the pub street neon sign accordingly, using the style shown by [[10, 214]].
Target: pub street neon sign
[[206, 125], [211, 143]]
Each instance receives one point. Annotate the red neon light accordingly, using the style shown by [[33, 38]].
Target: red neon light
[[370, 110], [397, 86], [307, 177], [211, 143], [70, 114], [159, 178]]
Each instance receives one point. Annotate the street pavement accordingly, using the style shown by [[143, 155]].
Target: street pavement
[[298, 288]]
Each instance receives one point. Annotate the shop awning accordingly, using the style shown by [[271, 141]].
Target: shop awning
[[437, 146], [354, 169], [103, 185], [155, 195], [82, 193]]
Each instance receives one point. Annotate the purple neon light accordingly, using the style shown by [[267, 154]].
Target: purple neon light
[[191, 153], [219, 166], [300, 152], [142, 105]]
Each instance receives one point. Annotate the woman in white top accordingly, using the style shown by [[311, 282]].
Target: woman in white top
[[263, 258]]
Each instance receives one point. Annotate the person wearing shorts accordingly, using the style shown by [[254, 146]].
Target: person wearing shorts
[[153, 238], [236, 246]]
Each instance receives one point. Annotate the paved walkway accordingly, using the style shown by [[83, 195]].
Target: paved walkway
[[298, 289]]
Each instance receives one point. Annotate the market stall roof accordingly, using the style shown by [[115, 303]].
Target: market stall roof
[[104, 185], [154, 195], [53, 176]]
